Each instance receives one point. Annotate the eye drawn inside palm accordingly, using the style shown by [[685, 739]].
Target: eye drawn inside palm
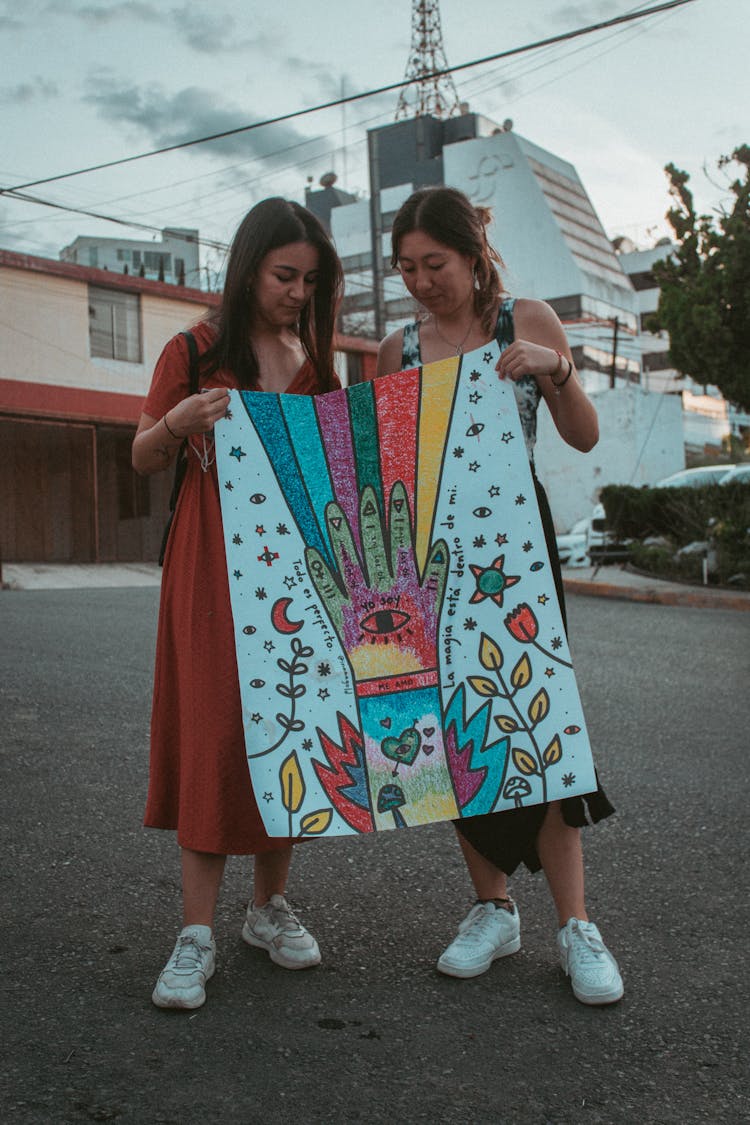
[[385, 615]]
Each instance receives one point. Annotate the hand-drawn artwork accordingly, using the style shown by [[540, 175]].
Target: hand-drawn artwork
[[400, 647]]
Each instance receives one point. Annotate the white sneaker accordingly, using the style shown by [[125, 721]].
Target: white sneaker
[[486, 933], [592, 969], [275, 928], [182, 981]]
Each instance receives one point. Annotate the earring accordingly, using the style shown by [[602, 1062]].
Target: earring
[[476, 279]]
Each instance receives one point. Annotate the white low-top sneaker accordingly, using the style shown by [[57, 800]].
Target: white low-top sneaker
[[182, 981], [592, 969], [486, 933], [275, 928]]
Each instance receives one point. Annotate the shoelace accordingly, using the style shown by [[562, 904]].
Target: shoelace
[[187, 955], [589, 946], [285, 919], [476, 921]]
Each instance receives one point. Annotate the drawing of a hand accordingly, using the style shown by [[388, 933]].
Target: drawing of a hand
[[386, 616]]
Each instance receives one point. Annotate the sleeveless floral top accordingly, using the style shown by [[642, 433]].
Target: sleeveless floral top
[[526, 388]]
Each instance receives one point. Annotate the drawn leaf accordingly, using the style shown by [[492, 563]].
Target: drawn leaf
[[506, 723], [483, 686], [284, 689], [524, 761], [489, 654], [284, 665], [298, 690], [300, 669], [539, 706], [292, 783], [521, 674], [313, 823], [553, 753]]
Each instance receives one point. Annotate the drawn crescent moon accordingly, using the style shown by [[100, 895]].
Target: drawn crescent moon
[[279, 619]]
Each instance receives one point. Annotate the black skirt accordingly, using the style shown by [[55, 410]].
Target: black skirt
[[508, 838]]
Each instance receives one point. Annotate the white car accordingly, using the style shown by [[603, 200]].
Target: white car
[[572, 547], [738, 474], [694, 478]]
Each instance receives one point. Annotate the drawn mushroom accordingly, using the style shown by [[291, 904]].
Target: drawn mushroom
[[390, 799], [517, 788]]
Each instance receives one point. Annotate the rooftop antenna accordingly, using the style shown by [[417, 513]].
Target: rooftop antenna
[[425, 95]]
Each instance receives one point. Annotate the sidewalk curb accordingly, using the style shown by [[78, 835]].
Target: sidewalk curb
[[714, 599]]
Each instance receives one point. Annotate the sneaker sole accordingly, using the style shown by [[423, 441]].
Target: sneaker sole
[[600, 999], [465, 973], [278, 958]]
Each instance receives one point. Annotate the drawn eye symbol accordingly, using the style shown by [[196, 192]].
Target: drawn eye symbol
[[257, 683], [249, 630], [482, 513], [475, 429], [257, 498], [384, 621]]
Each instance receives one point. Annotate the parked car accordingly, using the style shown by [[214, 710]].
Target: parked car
[[738, 474], [694, 478], [572, 546]]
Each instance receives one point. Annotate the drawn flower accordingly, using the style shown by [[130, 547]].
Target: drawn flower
[[522, 624]]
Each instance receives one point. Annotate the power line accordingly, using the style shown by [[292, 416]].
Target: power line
[[628, 17]]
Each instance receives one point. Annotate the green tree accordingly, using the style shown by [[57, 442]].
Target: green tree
[[704, 303]]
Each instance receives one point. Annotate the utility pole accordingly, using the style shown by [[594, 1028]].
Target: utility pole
[[613, 369]]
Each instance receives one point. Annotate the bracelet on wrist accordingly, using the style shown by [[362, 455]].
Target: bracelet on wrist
[[169, 429], [559, 386], [557, 369]]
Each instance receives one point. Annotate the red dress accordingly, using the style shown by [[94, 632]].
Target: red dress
[[199, 780]]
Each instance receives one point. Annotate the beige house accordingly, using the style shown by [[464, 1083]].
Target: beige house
[[77, 349]]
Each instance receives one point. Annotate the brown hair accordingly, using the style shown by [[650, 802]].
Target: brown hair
[[449, 216], [271, 224]]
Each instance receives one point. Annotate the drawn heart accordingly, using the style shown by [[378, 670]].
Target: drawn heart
[[385, 723], [403, 749], [428, 732], [428, 749]]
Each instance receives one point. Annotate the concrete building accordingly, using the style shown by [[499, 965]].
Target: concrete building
[[174, 259], [77, 349]]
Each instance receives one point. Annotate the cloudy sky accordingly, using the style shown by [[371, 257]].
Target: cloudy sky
[[88, 81]]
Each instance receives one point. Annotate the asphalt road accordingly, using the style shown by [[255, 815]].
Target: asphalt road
[[375, 1035]]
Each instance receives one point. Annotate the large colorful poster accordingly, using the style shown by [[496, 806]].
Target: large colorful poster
[[400, 648]]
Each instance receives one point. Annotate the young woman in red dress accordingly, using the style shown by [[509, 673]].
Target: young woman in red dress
[[272, 332]]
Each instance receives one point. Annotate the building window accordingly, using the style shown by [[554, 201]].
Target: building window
[[94, 256], [136, 258], [115, 324], [153, 261]]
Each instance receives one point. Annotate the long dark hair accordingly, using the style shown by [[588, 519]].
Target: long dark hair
[[448, 216], [271, 224]]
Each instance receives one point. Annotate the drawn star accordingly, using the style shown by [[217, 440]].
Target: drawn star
[[492, 582], [474, 397], [480, 541], [228, 485], [487, 357], [556, 643], [507, 436], [269, 646], [282, 529], [458, 451], [260, 593], [255, 717], [237, 539], [520, 499], [542, 599], [474, 376], [324, 668], [236, 451], [470, 624], [494, 490], [528, 545], [549, 673], [237, 574], [501, 540], [568, 779], [267, 797], [323, 693], [307, 744], [259, 529], [473, 466], [289, 581]]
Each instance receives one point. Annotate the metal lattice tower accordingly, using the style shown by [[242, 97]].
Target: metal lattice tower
[[437, 95]]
